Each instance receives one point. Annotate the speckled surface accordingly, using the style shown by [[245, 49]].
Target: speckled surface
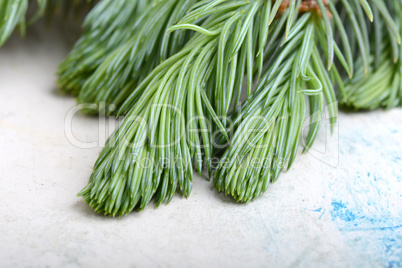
[[338, 206]]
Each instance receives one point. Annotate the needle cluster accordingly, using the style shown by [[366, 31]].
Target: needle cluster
[[222, 85]]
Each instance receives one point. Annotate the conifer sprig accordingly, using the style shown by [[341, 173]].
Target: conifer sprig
[[167, 114], [13, 13], [201, 81], [269, 127], [124, 68], [109, 25], [382, 87], [177, 70]]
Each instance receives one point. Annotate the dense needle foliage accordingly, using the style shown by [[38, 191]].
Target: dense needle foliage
[[14, 13], [177, 70], [382, 86]]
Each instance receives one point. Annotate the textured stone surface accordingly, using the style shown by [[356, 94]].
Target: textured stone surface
[[338, 206]]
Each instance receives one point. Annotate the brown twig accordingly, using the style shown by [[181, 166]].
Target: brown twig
[[305, 6]]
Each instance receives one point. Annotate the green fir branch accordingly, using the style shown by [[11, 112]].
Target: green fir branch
[[13, 13], [177, 70]]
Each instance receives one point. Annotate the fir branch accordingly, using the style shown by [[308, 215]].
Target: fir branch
[[149, 44], [382, 86], [13, 13], [201, 81], [109, 25], [268, 128], [174, 94], [176, 67]]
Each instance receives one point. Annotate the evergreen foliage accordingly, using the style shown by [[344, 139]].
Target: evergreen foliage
[[177, 70]]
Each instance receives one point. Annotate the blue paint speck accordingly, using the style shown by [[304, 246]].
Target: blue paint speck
[[321, 210], [340, 211]]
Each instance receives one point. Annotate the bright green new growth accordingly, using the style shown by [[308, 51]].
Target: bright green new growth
[[177, 69], [150, 44], [269, 127], [169, 115], [109, 25], [202, 80]]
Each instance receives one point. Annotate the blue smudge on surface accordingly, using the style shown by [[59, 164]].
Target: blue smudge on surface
[[321, 210], [368, 214], [391, 248], [381, 232], [340, 211], [365, 205]]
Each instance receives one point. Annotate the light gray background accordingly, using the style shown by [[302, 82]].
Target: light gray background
[[338, 206]]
